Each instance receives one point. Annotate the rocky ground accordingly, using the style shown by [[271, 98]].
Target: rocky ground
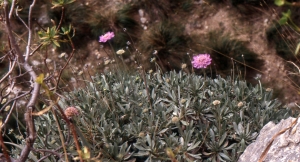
[[203, 18], [249, 28]]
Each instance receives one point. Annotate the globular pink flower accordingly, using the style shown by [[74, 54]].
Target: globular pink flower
[[71, 111], [107, 36], [201, 61]]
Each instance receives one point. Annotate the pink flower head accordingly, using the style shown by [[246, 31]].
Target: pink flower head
[[71, 111], [201, 61], [107, 36]]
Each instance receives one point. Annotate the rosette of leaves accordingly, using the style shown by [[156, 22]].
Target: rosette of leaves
[[175, 118]]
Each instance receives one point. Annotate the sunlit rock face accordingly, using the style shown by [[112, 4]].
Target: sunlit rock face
[[285, 146]]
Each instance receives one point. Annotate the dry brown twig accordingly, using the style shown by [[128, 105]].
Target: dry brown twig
[[21, 60], [24, 63]]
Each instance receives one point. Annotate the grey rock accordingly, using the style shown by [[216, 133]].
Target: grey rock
[[285, 146]]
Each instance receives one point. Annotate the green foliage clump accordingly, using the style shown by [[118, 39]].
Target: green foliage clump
[[178, 116]]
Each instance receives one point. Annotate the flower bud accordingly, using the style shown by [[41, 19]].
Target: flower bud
[[182, 100], [240, 104], [216, 102], [120, 52], [141, 134], [175, 119], [71, 111]]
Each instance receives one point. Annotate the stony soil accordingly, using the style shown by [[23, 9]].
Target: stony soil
[[249, 28], [204, 18]]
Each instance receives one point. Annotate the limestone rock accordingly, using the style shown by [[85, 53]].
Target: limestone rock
[[285, 146]]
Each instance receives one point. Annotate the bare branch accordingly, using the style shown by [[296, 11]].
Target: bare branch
[[66, 64], [7, 158], [13, 3], [61, 18], [29, 30], [50, 151], [12, 40], [36, 49], [20, 18], [31, 133], [43, 158], [11, 67], [8, 115], [8, 102], [1, 92], [1, 58]]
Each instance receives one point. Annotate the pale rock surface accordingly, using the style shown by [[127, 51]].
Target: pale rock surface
[[284, 148]]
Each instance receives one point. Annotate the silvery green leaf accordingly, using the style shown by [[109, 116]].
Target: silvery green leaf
[[163, 131], [184, 122], [193, 146]]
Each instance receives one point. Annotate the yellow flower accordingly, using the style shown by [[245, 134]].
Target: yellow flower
[[120, 52]]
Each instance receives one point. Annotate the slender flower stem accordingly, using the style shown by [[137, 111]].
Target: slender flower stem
[[147, 89]]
